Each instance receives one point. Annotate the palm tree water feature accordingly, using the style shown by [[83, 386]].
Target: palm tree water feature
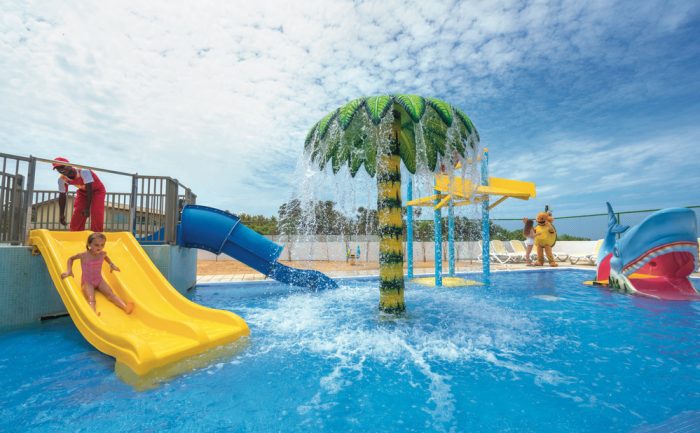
[[378, 133]]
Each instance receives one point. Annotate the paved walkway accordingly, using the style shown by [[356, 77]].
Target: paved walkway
[[233, 271]]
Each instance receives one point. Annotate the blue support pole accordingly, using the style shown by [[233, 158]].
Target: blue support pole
[[438, 241], [409, 228], [451, 238], [485, 234]]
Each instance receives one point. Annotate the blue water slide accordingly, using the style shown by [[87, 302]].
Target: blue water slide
[[219, 232]]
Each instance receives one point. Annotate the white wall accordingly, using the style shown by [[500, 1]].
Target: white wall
[[369, 251]]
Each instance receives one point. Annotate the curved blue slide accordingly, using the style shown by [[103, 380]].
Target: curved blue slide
[[219, 232]]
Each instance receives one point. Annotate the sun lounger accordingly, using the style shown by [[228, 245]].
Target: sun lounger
[[559, 256], [501, 253], [520, 249], [587, 258], [498, 253]]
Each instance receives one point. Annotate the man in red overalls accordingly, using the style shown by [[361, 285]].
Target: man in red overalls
[[89, 201]]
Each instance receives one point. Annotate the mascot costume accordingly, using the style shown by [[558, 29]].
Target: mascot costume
[[545, 238]]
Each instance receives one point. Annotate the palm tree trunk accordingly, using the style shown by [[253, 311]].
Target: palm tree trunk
[[391, 285]]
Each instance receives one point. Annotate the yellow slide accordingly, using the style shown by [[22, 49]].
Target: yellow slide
[[164, 327]]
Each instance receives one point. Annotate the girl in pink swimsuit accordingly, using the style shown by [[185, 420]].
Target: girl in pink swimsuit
[[91, 263]]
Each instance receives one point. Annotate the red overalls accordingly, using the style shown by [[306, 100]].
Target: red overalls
[[97, 207]]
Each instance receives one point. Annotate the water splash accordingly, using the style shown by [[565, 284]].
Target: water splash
[[339, 326]]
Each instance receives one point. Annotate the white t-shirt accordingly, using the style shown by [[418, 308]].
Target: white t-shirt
[[85, 174]]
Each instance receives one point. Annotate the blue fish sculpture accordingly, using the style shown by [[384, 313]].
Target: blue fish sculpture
[[654, 258]]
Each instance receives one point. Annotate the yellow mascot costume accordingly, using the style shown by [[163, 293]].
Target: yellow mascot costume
[[545, 237]]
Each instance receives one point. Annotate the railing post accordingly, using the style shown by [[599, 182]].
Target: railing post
[[16, 210], [190, 198], [31, 174], [171, 210], [485, 225], [133, 203]]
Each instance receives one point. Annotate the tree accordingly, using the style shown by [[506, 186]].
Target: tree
[[313, 218], [290, 217], [379, 133], [366, 221], [260, 223]]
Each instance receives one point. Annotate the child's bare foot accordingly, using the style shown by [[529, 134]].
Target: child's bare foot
[[129, 307]]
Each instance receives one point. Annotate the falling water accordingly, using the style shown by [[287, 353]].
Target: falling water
[[355, 198]]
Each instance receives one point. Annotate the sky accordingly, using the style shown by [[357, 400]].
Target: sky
[[594, 101]]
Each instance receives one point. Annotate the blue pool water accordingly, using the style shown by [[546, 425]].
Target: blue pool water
[[536, 351]]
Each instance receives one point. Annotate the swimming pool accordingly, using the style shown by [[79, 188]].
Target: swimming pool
[[535, 351]]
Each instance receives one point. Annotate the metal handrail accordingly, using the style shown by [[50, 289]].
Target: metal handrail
[[88, 167], [595, 214], [159, 206], [20, 158]]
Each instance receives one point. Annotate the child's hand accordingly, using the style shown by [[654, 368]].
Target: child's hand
[[113, 267], [66, 274]]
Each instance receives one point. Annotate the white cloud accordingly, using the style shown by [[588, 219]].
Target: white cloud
[[590, 171], [219, 94]]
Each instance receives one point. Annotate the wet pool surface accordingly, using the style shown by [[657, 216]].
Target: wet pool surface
[[534, 351]]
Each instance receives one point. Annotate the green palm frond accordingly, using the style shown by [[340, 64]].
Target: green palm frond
[[443, 109], [342, 154], [435, 135], [357, 158], [325, 123], [370, 158], [309, 137], [355, 141], [377, 107], [413, 104], [407, 148], [347, 111]]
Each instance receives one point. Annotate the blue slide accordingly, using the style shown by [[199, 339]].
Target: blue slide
[[218, 231]]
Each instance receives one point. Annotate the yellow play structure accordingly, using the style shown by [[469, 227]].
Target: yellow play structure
[[164, 327], [460, 192]]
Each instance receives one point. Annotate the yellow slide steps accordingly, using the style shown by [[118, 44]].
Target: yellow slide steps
[[164, 327]]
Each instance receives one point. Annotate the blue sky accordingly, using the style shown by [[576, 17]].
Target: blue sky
[[593, 100]]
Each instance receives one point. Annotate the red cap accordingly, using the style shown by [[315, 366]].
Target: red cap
[[56, 164]]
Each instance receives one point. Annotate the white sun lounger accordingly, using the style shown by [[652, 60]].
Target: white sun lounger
[[519, 248], [498, 253], [588, 258]]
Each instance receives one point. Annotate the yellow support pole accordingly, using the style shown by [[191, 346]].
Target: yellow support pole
[[443, 202], [497, 202]]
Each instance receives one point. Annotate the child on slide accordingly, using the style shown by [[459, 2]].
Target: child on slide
[[91, 263]]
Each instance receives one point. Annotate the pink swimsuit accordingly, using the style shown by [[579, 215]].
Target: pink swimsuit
[[92, 272]]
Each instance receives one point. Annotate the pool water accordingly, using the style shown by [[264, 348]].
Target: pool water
[[535, 351]]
